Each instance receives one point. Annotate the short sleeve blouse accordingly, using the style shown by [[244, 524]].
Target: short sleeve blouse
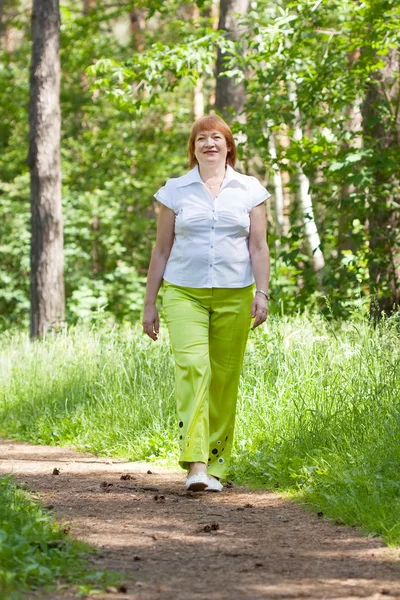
[[211, 246]]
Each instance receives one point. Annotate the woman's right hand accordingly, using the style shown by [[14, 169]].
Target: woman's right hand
[[150, 321]]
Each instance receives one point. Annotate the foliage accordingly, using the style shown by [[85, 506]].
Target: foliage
[[127, 106], [35, 552], [318, 406], [330, 51]]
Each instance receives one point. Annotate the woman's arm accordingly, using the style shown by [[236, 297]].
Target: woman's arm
[[158, 261], [259, 254]]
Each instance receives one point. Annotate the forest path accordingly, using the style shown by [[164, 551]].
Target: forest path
[[260, 546]]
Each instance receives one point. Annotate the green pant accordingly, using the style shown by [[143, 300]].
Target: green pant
[[208, 330]]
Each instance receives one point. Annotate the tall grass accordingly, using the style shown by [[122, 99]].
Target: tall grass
[[320, 416], [319, 407]]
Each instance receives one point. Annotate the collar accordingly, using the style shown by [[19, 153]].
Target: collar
[[193, 176]]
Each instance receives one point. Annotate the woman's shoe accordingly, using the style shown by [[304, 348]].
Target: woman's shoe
[[214, 485], [197, 482]]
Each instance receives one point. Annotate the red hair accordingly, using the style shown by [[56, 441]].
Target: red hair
[[211, 123]]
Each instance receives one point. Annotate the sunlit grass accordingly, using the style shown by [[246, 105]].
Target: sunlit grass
[[319, 407]]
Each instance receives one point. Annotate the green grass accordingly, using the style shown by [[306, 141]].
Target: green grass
[[320, 418], [319, 407], [35, 552]]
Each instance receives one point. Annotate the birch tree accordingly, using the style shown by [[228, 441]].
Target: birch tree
[[303, 188]]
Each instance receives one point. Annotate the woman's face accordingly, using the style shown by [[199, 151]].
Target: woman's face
[[210, 148]]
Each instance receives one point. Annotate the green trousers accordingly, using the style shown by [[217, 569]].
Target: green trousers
[[208, 330]]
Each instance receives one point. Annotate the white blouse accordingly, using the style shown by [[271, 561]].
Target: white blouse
[[211, 245]]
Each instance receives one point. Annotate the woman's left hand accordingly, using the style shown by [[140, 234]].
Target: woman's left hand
[[259, 310]]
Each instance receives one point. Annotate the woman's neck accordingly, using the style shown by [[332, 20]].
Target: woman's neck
[[214, 172]]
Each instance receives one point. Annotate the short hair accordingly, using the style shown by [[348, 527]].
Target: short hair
[[210, 123]]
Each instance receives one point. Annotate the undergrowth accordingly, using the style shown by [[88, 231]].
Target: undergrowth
[[319, 407], [35, 552]]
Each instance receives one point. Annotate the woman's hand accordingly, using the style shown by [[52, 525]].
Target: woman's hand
[[150, 321], [259, 309]]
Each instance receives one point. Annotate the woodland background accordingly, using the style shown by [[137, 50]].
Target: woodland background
[[311, 90]]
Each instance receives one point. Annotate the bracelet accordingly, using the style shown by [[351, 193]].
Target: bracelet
[[263, 292]]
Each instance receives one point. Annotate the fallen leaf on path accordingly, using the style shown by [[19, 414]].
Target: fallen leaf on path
[[212, 527], [159, 498]]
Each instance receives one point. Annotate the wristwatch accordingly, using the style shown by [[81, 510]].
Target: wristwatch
[[263, 292]]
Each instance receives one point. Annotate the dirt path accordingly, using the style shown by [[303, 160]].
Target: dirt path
[[239, 545]]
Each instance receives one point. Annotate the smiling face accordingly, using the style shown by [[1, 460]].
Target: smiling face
[[211, 130], [210, 148]]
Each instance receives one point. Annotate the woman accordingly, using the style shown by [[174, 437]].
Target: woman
[[211, 244]]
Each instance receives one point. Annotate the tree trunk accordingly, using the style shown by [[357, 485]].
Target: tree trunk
[[381, 124], [137, 26], [347, 212], [88, 5], [47, 263], [198, 94], [1, 17], [353, 126], [198, 99], [303, 190], [277, 185], [229, 94]]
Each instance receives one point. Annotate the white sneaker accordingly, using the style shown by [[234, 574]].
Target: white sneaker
[[197, 482], [214, 485]]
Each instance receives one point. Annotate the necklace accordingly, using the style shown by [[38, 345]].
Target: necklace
[[213, 186]]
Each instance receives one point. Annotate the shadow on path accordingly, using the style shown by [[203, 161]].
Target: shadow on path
[[238, 545]]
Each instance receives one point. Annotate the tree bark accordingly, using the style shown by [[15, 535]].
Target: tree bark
[[88, 5], [347, 212], [381, 125], [277, 185], [1, 17], [229, 94], [198, 99], [198, 95], [47, 262], [137, 27], [303, 190], [353, 126]]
